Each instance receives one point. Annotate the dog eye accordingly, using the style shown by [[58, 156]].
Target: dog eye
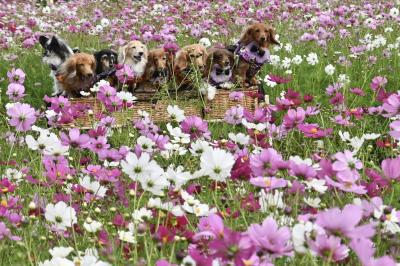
[[164, 58], [199, 55], [258, 30], [191, 55]]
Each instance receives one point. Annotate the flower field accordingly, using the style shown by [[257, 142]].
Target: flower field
[[310, 177]]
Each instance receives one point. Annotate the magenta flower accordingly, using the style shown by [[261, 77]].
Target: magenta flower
[[391, 105], [195, 127], [5, 232], [74, 138], [267, 162], [302, 170], [357, 91], [391, 168], [236, 95], [98, 145], [313, 131], [378, 82], [329, 248], [211, 226], [105, 92], [15, 91], [22, 116], [270, 238], [16, 76], [344, 222], [268, 183]]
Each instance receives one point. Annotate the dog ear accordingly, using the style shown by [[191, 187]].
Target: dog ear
[[122, 54], [76, 50], [247, 36], [94, 64], [146, 52], [181, 60], [271, 37], [54, 42], [66, 69], [43, 40]]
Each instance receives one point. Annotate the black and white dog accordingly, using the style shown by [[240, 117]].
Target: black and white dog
[[55, 52]]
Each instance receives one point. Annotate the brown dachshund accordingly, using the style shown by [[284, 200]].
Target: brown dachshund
[[189, 58], [253, 52], [219, 66], [77, 74]]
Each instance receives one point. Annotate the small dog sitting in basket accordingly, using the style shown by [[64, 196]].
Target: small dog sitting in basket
[[219, 64]]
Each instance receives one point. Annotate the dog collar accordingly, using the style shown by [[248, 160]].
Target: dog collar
[[220, 75], [253, 53]]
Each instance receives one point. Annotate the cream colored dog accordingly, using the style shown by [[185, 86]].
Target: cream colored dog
[[135, 55]]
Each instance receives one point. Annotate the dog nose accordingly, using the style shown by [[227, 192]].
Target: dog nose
[[227, 63], [263, 39], [89, 75], [140, 53]]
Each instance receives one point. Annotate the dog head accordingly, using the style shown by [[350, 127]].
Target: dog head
[[55, 51], [105, 60], [191, 55], [80, 65], [260, 33], [221, 57], [134, 51], [159, 63]]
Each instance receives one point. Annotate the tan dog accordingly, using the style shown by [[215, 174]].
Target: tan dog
[[189, 57], [135, 55], [253, 52], [77, 74]]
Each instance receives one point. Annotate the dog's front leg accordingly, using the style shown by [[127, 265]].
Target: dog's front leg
[[240, 72]]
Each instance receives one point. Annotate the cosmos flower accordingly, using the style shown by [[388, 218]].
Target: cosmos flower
[[60, 215], [216, 163], [22, 116], [15, 91]]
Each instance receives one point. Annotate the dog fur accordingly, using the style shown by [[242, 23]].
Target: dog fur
[[77, 74], [188, 56], [105, 60], [134, 54], [55, 52], [264, 36], [218, 58]]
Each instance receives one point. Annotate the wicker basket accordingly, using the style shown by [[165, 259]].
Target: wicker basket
[[221, 103], [93, 109]]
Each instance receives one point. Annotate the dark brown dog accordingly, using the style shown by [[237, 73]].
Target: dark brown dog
[[219, 65], [187, 59], [77, 74], [253, 52]]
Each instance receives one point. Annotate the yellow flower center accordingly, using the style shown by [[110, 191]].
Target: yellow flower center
[[4, 203], [314, 130], [267, 181]]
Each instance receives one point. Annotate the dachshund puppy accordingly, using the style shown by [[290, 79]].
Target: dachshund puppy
[[135, 55], [219, 66], [158, 70], [189, 58], [106, 59], [253, 52], [77, 74]]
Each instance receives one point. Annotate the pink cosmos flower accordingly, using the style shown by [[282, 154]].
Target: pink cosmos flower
[[268, 183], [98, 145], [124, 74], [364, 249], [234, 115], [313, 131], [236, 95], [329, 247], [378, 82], [270, 238], [195, 127], [357, 91], [22, 116], [345, 222], [395, 130], [391, 168], [392, 105], [267, 162], [16, 76], [346, 162], [294, 117], [5, 232], [15, 91], [74, 138]]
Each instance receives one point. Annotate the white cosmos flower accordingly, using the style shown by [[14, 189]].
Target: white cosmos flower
[[239, 138], [275, 60], [93, 186], [298, 160], [136, 167], [329, 70], [371, 136], [198, 147], [126, 96], [313, 202], [271, 199], [317, 184], [175, 113], [14, 174], [178, 135], [394, 12], [60, 252], [297, 59], [44, 141], [146, 144], [217, 164], [177, 176], [167, 206], [57, 262], [286, 62], [312, 59], [141, 215], [90, 260], [302, 232], [61, 215], [154, 182], [57, 149], [205, 42], [269, 82], [92, 227], [258, 127], [288, 47], [105, 22]]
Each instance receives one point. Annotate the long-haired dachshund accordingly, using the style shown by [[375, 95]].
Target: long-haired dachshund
[[77, 74], [187, 59], [219, 66], [135, 55], [253, 52], [158, 69]]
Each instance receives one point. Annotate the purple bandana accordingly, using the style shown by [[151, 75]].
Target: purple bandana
[[219, 76]]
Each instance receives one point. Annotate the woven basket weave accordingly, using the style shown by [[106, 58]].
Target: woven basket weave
[[217, 108], [93, 108]]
